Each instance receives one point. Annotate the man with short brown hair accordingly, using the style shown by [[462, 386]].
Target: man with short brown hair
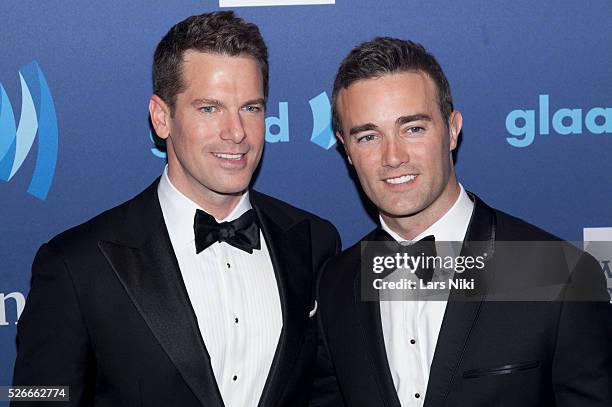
[[199, 291], [393, 113]]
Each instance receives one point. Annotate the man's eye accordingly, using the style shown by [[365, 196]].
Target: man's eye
[[414, 129], [253, 108], [366, 138], [207, 109]]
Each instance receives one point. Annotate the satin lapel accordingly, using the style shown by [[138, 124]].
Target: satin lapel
[[461, 313], [150, 274], [371, 326], [290, 252]]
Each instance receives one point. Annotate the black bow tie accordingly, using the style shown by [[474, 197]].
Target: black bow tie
[[426, 247], [242, 233]]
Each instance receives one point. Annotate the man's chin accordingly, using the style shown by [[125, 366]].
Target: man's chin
[[229, 186], [395, 212], [232, 191]]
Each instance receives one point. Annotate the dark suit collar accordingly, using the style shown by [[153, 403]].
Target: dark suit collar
[[267, 207], [459, 318], [371, 326], [371, 329], [143, 259], [482, 227], [142, 256], [140, 219], [289, 244], [461, 312]]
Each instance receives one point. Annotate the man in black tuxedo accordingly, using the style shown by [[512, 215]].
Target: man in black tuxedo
[[393, 112], [198, 291]]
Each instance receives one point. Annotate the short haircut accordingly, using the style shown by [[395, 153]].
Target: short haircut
[[220, 33], [385, 55]]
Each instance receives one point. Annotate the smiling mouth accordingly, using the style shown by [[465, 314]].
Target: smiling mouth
[[228, 156], [400, 180]]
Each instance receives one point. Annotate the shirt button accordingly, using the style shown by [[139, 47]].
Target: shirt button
[[228, 265], [236, 320], [416, 395], [235, 378], [412, 341]]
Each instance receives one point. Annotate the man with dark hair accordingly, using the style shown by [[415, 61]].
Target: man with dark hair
[[198, 291], [393, 113]]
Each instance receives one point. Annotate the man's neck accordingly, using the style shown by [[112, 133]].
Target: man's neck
[[410, 226], [214, 203]]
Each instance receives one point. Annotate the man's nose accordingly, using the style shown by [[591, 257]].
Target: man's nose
[[234, 128], [394, 153]]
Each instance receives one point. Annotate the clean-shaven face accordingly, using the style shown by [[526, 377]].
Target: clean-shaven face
[[216, 134], [397, 140]]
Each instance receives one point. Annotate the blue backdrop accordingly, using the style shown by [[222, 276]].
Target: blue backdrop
[[532, 80]]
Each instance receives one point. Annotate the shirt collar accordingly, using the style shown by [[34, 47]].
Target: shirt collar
[[451, 227], [179, 211]]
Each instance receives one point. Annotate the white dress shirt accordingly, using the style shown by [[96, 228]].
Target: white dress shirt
[[411, 328], [234, 295]]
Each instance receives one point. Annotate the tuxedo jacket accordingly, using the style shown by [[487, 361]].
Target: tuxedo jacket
[[488, 353], [108, 313]]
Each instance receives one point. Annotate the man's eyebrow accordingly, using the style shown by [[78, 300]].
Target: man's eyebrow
[[400, 120], [259, 101], [412, 118], [363, 127], [207, 101]]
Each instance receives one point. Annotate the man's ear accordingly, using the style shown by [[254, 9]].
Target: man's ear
[[341, 139], [455, 121], [160, 116]]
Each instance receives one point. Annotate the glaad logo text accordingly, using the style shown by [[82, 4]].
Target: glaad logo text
[[277, 128], [322, 134], [521, 124], [37, 117]]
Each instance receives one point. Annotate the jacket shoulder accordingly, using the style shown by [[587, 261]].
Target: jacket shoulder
[[293, 213], [340, 271], [104, 226], [511, 228]]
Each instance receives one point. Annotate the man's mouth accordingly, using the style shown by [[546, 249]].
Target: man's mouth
[[400, 180], [229, 156]]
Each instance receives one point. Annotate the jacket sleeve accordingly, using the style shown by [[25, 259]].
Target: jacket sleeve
[[582, 365], [53, 347], [325, 390]]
